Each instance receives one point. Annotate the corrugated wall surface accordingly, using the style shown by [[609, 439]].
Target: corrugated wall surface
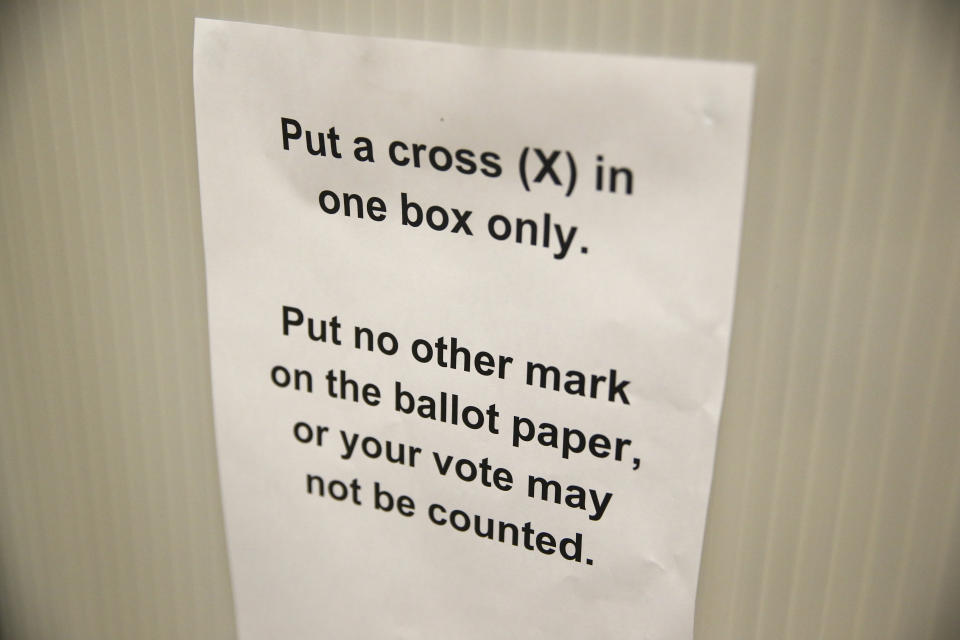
[[835, 510]]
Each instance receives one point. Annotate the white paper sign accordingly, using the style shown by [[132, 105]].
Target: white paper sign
[[469, 319]]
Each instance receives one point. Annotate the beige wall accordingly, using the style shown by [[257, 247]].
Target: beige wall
[[835, 510]]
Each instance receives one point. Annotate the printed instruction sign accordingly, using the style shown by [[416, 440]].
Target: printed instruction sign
[[469, 316]]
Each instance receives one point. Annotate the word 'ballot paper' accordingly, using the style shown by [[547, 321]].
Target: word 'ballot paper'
[[469, 319]]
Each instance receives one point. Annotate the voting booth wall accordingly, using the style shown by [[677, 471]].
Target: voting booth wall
[[834, 508]]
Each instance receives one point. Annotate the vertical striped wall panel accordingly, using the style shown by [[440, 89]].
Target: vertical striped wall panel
[[835, 510]]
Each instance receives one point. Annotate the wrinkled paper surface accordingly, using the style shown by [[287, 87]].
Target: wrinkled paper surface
[[621, 278]]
